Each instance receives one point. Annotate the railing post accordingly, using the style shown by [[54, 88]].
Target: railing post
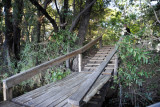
[[116, 64], [7, 92], [79, 62], [67, 61], [100, 43]]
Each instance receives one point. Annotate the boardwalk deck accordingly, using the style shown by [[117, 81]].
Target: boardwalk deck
[[56, 94]]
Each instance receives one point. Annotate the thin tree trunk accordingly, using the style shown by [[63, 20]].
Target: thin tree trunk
[[8, 23], [1, 17], [74, 8], [64, 14], [84, 24], [8, 33], [17, 16], [39, 26]]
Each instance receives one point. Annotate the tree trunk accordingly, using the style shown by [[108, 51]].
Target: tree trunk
[[74, 23], [64, 14], [84, 24], [1, 17], [8, 24], [17, 16], [8, 33], [39, 26]]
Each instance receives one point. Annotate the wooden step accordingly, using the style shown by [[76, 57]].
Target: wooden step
[[93, 60], [100, 55], [97, 64], [106, 72], [100, 58], [94, 68]]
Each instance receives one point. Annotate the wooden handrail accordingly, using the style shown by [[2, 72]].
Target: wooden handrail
[[22, 76], [77, 98]]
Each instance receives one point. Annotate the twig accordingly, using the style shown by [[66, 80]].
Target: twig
[[154, 13], [120, 101]]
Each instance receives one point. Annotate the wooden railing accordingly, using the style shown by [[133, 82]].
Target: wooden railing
[[22, 76], [76, 99]]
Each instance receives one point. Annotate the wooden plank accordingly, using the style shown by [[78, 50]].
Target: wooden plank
[[106, 72], [102, 52], [62, 92], [77, 97], [94, 67], [100, 55], [16, 79], [93, 60], [9, 104], [99, 64], [100, 58], [96, 87], [62, 103], [43, 89], [53, 104], [42, 93]]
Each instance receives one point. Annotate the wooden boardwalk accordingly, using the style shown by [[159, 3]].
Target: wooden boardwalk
[[56, 94], [84, 88]]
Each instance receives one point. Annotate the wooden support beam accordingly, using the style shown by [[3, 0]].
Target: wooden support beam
[[79, 62], [7, 92], [116, 64], [100, 43]]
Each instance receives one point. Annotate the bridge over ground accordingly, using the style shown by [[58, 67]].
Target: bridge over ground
[[87, 87]]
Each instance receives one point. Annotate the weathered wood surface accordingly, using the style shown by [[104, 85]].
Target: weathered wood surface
[[76, 98], [9, 104], [22, 76], [56, 95]]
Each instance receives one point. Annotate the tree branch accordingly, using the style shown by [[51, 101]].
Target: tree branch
[[74, 23], [156, 16], [55, 1], [46, 3], [154, 13], [40, 8]]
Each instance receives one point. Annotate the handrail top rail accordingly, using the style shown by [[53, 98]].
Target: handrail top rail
[[22, 76]]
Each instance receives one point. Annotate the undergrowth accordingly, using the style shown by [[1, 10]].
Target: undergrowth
[[138, 66]]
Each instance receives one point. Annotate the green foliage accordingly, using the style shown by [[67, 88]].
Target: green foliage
[[132, 73], [133, 57], [33, 54], [58, 74]]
